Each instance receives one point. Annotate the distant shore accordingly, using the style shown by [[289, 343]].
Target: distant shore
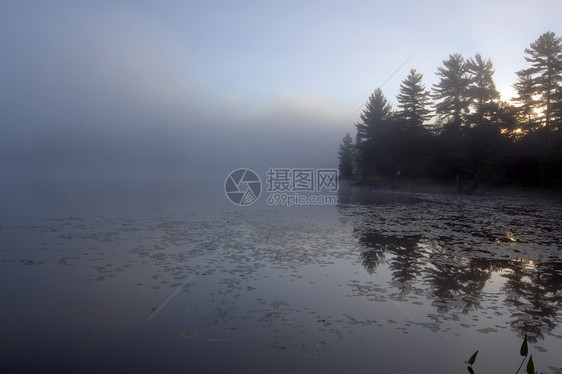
[[448, 187]]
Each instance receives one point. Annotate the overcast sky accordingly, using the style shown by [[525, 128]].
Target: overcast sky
[[123, 92]]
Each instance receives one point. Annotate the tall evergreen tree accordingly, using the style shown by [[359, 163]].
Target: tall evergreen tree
[[345, 156], [374, 116], [413, 100], [451, 91], [525, 88], [376, 122], [481, 91], [545, 56]]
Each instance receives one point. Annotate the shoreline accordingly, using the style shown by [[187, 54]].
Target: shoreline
[[427, 186]]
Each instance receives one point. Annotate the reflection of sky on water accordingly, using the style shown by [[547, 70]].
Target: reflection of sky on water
[[401, 282]]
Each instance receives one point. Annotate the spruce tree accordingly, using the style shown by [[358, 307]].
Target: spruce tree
[[345, 156], [451, 91], [372, 132], [481, 91], [525, 88], [545, 56], [413, 100], [374, 116]]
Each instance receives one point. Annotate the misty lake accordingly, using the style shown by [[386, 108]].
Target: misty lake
[[385, 282]]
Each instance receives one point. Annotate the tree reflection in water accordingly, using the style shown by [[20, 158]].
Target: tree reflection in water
[[453, 274], [534, 290]]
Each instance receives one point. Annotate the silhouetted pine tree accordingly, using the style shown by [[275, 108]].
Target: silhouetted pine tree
[[451, 91], [481, 91], [545, 56], [525, 88], [377, 119], [345, 156], [413, 100], [374, 116]]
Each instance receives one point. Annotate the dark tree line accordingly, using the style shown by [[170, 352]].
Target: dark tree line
[[473, 135]]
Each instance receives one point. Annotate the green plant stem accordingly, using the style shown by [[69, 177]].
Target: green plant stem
[[524, 358]]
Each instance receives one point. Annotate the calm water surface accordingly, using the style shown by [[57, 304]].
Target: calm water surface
[[384, 282]]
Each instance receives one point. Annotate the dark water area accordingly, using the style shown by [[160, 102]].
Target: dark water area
[[384, 282]]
